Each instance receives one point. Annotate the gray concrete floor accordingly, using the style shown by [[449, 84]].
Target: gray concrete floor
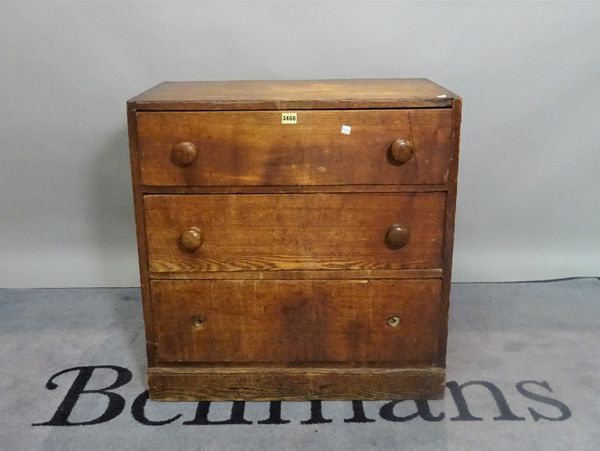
[[528, 352]]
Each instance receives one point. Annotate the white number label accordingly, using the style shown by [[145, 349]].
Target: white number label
[[289, 118]]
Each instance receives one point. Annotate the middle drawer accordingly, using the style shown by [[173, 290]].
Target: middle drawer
[[256, 232]]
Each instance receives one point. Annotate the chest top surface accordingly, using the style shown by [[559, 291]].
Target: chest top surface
[[293, 94]]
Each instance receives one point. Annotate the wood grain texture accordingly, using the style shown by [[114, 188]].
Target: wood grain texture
[[304, 274], [292, 232], [292, 94], [297, 321], [256, 149], [294, 384], [140, 226], [291, 189], [450, 212], [293, 219]]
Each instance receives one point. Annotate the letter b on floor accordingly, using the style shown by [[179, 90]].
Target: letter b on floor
[[116, 402]]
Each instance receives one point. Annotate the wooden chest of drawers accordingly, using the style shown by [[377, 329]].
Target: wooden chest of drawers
[[295, 237]]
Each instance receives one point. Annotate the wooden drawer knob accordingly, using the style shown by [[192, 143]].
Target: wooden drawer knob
[[183, 154], [397, 236], [401, 151], [191, 239]]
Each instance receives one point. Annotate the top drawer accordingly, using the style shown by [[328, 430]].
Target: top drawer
[[254, 148]]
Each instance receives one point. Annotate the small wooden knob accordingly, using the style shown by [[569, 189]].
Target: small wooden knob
[[401, 151], [183, 154], [397, 236], [191, 239]]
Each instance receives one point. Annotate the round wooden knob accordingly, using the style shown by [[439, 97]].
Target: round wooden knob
[[397, 236], [191, 239], [183, 154], [401, 151]]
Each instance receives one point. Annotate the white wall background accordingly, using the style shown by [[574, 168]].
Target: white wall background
[[529, 73]]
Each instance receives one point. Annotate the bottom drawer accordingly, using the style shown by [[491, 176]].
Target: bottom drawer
[[294, 321]]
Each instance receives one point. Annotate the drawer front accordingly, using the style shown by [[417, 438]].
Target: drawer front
[[366, 231], [254, 148], [296, 321]]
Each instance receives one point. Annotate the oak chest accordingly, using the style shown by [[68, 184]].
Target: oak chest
[[295, 237]]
